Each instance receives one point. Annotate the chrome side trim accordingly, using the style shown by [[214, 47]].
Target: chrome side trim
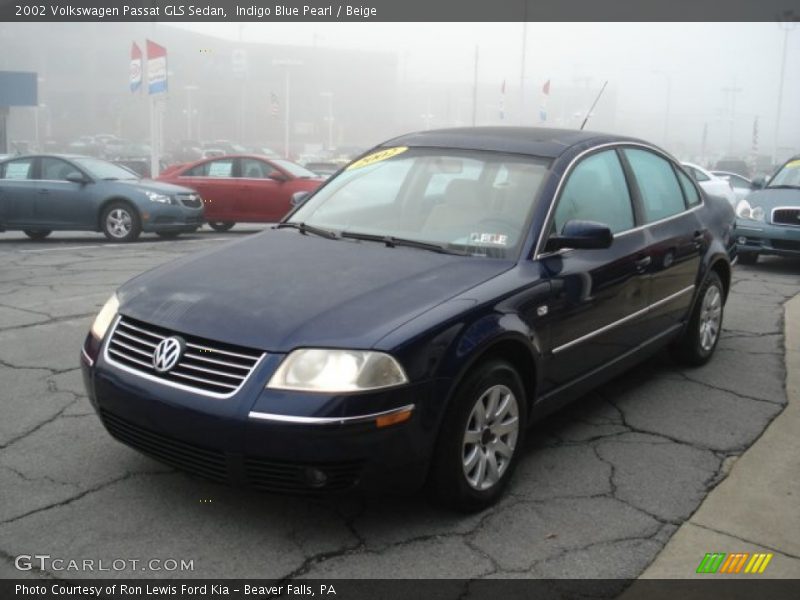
[[327, 420], [772, 216], [623, 320], [86, 357], [538, 253]]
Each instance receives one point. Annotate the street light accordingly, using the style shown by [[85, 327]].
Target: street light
[[286, 63], [787, 24], [189, 112], [329, 118], [668, 79]]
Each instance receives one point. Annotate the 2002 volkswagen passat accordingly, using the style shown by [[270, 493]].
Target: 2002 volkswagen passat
[[408, 321]]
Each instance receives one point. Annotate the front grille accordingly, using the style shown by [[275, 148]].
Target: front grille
[[190, 200], [277, 476], [260, 473], [206, 366], [188, 457], [786, 216], [786, 245]]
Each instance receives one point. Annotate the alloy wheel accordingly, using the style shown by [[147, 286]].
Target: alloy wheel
[[710, 318], [119, 222]]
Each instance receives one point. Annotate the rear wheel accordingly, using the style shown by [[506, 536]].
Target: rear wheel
[[37, 234], [120, 222], [221, 225], [480, 439], [699, 339], [747, 258]]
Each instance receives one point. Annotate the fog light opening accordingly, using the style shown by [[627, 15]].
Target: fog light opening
[[315, 478], [742, 240]]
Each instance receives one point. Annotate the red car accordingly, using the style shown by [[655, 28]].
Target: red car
[[244, 187]]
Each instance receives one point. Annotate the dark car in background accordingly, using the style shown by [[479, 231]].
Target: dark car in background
[[768, 219], [409, 320], [40, 194], [243, 188]]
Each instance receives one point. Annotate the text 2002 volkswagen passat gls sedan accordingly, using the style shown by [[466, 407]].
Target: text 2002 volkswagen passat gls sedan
[[411, 318]]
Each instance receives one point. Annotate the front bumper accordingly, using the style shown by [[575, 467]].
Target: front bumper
[[766, 238], [171, 218], [323, 444]]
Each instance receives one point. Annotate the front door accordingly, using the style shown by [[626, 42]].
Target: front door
[[18, 194]]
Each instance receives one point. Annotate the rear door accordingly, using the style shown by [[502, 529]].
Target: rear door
[[675, 236], [18, 193], [215, 182], [598, 295], [60, 202]]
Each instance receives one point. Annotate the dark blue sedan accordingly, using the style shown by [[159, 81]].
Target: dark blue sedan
[[408, 321], [42, 194]]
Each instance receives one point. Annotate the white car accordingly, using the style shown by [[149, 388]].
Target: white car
[[711, 184], [741, 185]]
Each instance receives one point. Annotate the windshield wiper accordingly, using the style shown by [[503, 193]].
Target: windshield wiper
[[392, 241], [784, 186], [305, 229]]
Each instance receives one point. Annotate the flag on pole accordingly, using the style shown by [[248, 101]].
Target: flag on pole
[[136, 68], [156, 68], [274, 105], [543, 105], [503, 100]]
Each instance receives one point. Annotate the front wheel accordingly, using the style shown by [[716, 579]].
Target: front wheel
[[37, 234], [480, 439], [699, 339], [221, 225], [120, 222]]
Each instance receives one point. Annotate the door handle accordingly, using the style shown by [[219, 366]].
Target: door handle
[[699, 236], [643, 262]]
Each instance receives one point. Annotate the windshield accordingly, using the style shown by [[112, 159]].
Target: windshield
[[293, 169], [473, 201], [101, 169], [789, 175]]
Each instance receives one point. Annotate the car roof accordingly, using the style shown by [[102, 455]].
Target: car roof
[[49, 155], [536, 141]]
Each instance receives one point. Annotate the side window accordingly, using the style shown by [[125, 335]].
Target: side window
[[55, 169], [661, 194], [255, 169], [596, 191], [212, 168], [18, 169], [692, 197]]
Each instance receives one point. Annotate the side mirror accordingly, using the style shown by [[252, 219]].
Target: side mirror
[[759, 183], [277, 176], [586, 235], [298, 198], [76, 178]]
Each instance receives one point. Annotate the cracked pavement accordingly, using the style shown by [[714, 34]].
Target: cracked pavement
[[600, 488]]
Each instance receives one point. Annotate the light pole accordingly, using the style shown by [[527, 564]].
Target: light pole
[[668, 80], [732, 90], [329, 118], [286, 63], [787, 25]]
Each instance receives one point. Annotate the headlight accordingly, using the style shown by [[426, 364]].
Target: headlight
[[318, 370], [103, 319], [745, 211], [160, 198]]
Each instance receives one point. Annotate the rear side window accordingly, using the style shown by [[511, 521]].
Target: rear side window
[[661, 194], [692, 197], [596, 191], [18, 169]]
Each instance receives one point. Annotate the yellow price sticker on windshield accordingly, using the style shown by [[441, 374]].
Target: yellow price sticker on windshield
[[794, 164], [377, 157]]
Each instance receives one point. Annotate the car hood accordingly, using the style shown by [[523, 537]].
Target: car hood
[[281, 289], [151, 185], [772, 198]]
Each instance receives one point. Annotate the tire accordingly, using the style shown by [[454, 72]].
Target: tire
[[221, 225], [168, 235], [456, 479], [120, 222], [698, 341], [748, 258], [37, 234]]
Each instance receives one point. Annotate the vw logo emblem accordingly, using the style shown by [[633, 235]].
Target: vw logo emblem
[[167, 354]]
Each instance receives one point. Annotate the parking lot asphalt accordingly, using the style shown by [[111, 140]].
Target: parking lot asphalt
[[600, 489]]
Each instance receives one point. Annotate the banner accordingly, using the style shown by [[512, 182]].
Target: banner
[[156, 68], [136, 68]]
